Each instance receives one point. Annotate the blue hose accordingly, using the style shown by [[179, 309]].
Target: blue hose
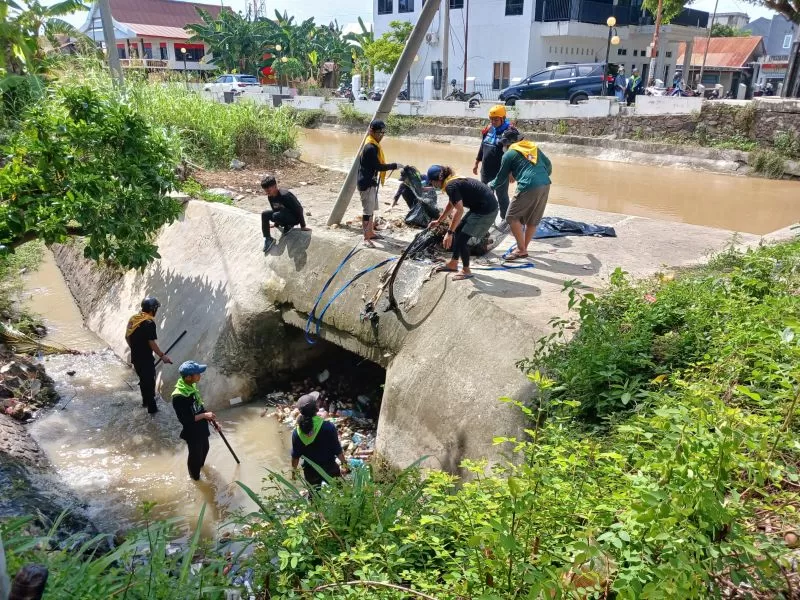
[[318, 320], [312, 314]]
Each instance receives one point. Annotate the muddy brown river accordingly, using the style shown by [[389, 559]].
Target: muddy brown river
[[745, 204], [116, 456]]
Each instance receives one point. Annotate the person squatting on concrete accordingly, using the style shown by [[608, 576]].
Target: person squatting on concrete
[[371, 175], [141, 336], [482, 204], [317, 440], [285, 211], [490, 154], [531, 170], [193, 416]]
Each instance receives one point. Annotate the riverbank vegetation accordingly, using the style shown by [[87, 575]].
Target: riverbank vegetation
[[660, 460]]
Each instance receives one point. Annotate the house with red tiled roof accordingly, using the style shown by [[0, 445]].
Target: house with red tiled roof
[[729, 61], [150, 34]]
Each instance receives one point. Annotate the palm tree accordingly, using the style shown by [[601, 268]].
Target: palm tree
[[359, 43]]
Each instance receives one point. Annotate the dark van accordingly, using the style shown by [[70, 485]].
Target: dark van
[[561, 82]]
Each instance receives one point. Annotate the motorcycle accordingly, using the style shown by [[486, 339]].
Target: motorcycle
[[456, 95], [403, 95], [375, 94], [344, 91]]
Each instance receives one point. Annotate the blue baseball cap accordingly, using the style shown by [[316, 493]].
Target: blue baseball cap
[[191, 367], [434, 172]]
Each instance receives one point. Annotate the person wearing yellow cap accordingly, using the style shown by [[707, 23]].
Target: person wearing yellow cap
[[490, 154]]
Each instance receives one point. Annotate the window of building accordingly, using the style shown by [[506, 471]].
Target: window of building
[[194, 52], [636, 53], [164, 52], [669, 54], [456, 4], [710, 78], [148, 51], [405, 6], [642, 52], [513, 7], [787, 41], [501, 76], [622, 51], [121, 52], [385, 7]]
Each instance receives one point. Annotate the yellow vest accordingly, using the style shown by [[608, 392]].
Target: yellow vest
[[527, 149]]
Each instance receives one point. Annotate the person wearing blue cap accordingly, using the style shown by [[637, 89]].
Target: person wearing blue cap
[[193, 416], [483, 208]]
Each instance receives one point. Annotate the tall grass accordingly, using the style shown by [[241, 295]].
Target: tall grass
[[212, 134]]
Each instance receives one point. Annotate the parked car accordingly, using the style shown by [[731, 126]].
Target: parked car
[[562, 82], [236, 83]]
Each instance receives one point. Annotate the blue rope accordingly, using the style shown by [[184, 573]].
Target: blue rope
[[312, 315], [340, 291]]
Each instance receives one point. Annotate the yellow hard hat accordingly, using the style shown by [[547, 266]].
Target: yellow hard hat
[[498, 110]]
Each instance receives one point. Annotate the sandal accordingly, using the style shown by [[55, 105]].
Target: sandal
[[514, 256], [444, 269]]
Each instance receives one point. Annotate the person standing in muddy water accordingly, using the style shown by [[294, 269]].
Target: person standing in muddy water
[[285, 211], [371, 175], [317, 440], [193, 416], [141, 336]]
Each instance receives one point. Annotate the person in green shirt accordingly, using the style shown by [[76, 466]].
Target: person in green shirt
[[531, 170]]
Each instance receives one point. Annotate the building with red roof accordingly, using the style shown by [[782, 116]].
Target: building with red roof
[[728, 62]]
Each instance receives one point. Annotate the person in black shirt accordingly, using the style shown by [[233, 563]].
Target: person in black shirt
[[285, 211], [193, 416], [490, 154], [317, 440], [141, 337], [371, 174], [462, 192]]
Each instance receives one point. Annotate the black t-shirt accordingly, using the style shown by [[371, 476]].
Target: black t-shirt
[[287, 201], [476, 196], [139, 341], [323, 450], [369, 166], [186, 407]]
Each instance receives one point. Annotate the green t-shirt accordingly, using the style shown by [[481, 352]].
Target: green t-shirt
[[526, 173]]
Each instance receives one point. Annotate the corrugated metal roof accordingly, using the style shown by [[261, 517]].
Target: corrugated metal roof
[[724, 52], [161, 13], [159, 31]]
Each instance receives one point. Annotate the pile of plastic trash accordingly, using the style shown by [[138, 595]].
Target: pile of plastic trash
[[354, 414]]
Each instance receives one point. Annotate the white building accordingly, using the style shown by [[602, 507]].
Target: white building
[[510, 39], [150, 34], [737, 20]]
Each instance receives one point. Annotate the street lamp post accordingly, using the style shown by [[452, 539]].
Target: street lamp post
[[278, 49], [185, 74], [613, 38]]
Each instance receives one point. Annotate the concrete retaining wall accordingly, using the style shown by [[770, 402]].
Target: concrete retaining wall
[[666, 105], [244, 313]]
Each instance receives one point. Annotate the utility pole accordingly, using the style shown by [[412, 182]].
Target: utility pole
[[708, 41], [387, 101], [466, 41], [445, 45], [111, 42]]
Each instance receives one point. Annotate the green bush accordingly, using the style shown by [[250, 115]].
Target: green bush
[[787, 144], [348, 115], [212, 134], [309, 118], [768, 163]]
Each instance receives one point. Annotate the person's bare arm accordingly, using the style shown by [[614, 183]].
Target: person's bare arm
[[154, 347]]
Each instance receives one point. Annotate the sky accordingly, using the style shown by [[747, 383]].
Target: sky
[[348, 11]]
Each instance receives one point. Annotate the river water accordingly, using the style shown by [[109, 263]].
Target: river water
[[116, 456], [744, 204]]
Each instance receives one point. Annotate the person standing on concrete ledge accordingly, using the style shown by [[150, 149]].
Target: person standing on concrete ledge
[[192, 415], [317, 440], [482, 204], [285, 211], [531, 170], [490, 154], [634, 86], [371, 175], [141, 336]]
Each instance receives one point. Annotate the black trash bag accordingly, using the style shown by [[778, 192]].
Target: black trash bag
[[418, 216], [550, 227], [424, 208]]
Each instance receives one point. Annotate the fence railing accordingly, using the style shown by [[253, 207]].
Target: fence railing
[[597, 11], [143, 63]]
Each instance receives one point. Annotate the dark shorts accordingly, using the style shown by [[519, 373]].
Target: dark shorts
[[476, 225]]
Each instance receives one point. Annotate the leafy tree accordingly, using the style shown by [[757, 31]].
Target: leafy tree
[[788, 8], [84, 162], [720, 30], [384, 52], [359, 42], [236, 42]]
